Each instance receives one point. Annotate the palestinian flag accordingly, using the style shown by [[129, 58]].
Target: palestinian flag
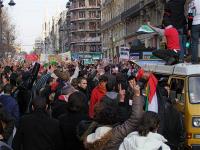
[[151, 103]]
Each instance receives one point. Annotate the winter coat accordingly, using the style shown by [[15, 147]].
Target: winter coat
[[153, 141], [114, 137], [37, 131], [68, 124], [96, 96], [11, 106]]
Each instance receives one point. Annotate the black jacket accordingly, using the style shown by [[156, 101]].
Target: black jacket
[[68, 124], [175, 8], [37, 131]]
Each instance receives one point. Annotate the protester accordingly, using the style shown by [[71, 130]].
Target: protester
[[146, 136], [176, 10], [171, 54], [10, 104], [82, 87], [98, 92], [69, 121], [37, 130], [194, 28]]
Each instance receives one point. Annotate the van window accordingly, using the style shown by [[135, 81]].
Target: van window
[[194, 89], [177, 89]]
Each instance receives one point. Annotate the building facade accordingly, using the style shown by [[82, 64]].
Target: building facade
[[122, 18], [85, 23], [64, 31], [112, 27]]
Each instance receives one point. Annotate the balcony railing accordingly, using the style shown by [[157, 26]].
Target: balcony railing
[[75, 29], [76, 6], [84, 18], [86, 40]]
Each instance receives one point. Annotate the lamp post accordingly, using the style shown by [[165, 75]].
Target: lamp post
[[11, 3]]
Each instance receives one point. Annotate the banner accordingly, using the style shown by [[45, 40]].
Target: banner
[[31, 57], [56, 58], [66, 56], [124, 53]]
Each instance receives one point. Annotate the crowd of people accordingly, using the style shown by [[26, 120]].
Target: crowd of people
[[84, 107]]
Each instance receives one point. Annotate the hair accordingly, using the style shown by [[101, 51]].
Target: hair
[[106, 114], [8, 89], [131, 77], [110, 86], [107, 68], [149, 123], [103, 78], [39, 102], [76, 102], [166, 21], [80, 79], [74, 83]]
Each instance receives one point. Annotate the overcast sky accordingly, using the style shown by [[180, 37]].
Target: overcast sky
[[29, 15]]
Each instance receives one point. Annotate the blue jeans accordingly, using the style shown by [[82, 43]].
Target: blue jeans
[[182, 40], [195, 42]]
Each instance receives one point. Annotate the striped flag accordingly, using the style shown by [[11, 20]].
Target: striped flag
[[151, 97]]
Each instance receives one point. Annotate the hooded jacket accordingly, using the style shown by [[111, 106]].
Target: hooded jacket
[[153, 141]]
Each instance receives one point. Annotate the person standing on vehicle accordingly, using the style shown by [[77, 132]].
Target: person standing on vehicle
[[194, 27], [175, 9]]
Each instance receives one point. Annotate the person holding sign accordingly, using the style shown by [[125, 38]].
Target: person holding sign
[[171, 54]]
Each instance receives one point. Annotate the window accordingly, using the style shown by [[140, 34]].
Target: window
[[92, 2], [82, 25], [92, 25], [177, 90], [82, 14], [98, 14], [194, 89], [92, 14], [81, 3], [98, 2], [92, 48], [82, 48], [92, 35]]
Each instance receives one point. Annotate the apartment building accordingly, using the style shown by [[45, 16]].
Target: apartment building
[[85, 23], [113, 28], [122, 18]]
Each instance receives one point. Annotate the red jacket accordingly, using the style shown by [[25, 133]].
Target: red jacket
[[96, 96]]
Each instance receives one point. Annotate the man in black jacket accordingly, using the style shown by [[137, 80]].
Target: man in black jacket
[[37, 131], [175, 9]]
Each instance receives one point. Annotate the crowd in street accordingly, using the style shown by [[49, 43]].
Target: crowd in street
[[84, 107], [102, 106]]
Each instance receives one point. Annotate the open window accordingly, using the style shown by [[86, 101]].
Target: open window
[[177, 90]]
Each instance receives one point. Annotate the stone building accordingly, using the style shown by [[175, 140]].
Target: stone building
[[122, 18], [85, 19]]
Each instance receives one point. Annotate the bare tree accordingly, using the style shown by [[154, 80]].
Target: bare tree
[[7, 33]]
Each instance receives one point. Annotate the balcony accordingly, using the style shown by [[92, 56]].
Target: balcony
[[135, 10], [86, 40], [74, 7], [73, 19], [76, 29]]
